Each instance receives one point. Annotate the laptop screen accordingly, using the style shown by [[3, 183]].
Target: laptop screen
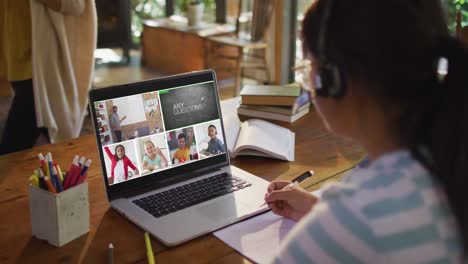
[[153, 131]]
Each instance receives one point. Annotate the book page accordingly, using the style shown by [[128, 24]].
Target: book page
[[266, 137]]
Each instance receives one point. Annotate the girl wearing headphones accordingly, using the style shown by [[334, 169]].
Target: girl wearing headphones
[[387, 74]]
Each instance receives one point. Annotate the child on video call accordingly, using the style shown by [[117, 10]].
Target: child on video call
[[119, 165], [183, 153], [154, 157], [215, 146]]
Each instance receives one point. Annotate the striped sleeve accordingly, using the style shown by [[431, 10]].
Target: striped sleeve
[[392, 213], [330, 234]]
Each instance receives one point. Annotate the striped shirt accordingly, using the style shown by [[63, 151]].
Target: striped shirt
[[389, 212]]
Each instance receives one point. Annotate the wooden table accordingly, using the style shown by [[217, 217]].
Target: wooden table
[[316, 149], [170, 46]]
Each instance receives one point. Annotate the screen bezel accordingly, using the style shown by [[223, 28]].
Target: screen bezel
[[166, 177]]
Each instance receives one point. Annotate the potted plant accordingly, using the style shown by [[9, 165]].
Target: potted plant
[[195, 10], [454, 8]]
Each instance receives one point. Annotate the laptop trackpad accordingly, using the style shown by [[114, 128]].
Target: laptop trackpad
[[223, 209]]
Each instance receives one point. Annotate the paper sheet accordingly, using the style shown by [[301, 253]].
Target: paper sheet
[[258, 238]]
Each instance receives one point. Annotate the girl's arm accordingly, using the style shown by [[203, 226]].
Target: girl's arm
[[109, 153], [130, 163], [146, 166], [163, 158], [190, 139]]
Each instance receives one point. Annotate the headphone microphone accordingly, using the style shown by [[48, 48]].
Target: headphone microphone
[[330, 80]]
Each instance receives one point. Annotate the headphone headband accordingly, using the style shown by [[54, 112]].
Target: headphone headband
[[323, 30], [331, 79]]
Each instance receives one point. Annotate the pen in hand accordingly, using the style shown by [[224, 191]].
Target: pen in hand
[[296, 181]]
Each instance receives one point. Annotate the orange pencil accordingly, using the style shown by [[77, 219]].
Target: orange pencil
[[49, 184]]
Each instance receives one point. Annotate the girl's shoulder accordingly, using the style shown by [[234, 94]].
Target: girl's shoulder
[[393, 207], [391, 176]]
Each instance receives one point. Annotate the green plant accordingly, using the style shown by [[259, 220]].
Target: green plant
[[148, 9], [144, 9], [183, 4], [451, 8]]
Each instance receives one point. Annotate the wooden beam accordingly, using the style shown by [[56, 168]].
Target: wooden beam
[[220, 11], [169, 8], [285, 40]]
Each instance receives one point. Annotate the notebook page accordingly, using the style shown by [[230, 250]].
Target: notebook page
[[258, 238]]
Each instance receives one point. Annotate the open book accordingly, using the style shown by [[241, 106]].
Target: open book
[[261, 138], [256, 137]]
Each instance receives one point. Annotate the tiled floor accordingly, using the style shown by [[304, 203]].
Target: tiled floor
[[111, 74]]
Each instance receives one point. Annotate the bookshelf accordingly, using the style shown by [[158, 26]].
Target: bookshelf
[[103, 123]]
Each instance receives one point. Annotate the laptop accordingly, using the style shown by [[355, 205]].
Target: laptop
[[175, 180]]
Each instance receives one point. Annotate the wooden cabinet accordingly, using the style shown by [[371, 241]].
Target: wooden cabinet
[[170, 46]]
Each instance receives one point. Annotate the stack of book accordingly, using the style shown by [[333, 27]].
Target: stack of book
[[274, 102]]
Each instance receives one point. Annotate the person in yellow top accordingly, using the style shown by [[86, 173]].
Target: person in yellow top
[[46, 53], [183, 153], [15, 66]]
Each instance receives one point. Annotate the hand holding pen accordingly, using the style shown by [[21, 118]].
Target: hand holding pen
[[290, 202]]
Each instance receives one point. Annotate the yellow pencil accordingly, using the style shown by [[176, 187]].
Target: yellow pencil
[[59, 172], [34, 180], [47, 170], [149, 249]]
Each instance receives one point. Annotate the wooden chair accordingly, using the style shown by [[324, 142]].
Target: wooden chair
[[243, 50]]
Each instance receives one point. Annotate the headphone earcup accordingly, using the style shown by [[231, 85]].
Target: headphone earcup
[[331, 81]]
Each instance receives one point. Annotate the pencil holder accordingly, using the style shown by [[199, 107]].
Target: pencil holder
[[59, 218]]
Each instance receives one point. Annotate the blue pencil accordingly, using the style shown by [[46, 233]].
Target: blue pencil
[[51, 165], [59, 187]]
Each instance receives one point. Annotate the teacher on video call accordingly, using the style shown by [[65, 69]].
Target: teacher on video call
[[115, 121], [388, 75]]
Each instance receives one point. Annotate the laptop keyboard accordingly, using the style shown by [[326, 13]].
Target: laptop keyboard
[[163, 203]]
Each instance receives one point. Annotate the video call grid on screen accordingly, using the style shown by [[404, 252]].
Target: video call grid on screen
[[153, 121]]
